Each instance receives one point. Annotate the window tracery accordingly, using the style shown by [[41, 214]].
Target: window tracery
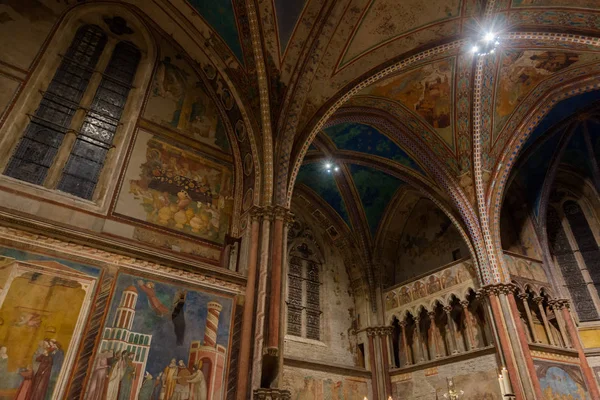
[[566, 259], [304, 285], [68, 138]]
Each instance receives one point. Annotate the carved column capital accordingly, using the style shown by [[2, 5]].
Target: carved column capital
[[447, 309], [403, 324], [523, 296], [256, 213], [272, 394], [559, 304], [431, 314], [499, 288], [464, 303], [371, 332], [380, 331], [538, 299]]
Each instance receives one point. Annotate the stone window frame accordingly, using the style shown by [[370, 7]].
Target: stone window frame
[[28, 101], [314, 256], [594, 223], [304, 298]]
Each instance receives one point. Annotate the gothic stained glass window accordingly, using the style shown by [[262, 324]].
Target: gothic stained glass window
[[294, 316], [588, 247], [304, 299], [46, 130], [561, 249], [85, 163]]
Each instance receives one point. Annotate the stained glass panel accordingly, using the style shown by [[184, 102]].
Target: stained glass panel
[[83, 168], [43, 136]]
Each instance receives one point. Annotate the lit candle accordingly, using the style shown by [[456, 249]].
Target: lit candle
[[507, 386], [501, 382]]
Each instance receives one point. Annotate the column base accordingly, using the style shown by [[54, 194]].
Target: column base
[[272, 394]]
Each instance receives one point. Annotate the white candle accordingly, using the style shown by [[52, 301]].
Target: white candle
[[501, 382], [507, 386]]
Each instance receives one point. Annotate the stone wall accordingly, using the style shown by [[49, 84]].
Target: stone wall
[[306, 384], [78, 309], [477, 377], [337, 344]]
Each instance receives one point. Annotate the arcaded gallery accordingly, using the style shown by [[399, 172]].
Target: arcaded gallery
[[299, 199]]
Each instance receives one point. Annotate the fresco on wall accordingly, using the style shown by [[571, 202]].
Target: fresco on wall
[[220, 15], [428, 241], [375, 189], [315, 388], [288, 14], [366, 139], [521, 70], [178, 100], [426, 91], [27, 24], [556, 3], [561, 381], [525, 268], [44, 303], [161, 341], [385, 20], [8, 89], [177, 188], [315, 177], [481, 383]]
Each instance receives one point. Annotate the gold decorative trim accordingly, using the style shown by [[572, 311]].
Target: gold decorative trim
[[39, 241]]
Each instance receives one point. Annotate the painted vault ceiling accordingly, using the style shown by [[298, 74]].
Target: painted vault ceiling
[[565, 138]]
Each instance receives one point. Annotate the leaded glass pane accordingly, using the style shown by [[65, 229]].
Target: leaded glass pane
[[561, 249], [83, 168], [585, 240], [43, 136], [312, 272], [313, 324], [294, 321]]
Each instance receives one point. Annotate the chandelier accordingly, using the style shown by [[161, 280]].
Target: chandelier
[[486, 45]]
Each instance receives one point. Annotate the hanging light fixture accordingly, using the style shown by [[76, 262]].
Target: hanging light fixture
[[487, 44]]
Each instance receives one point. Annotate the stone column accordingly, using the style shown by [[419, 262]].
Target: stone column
[[247, 336], [523, 341], [524, 297], [538, 300], [372, 362], [259, 327], [504, 348], [384, 334], [404, 345], [469, 324], [417, 336], [448, 310], [272, 355], [587, 372], [556, 307], [433, 337]]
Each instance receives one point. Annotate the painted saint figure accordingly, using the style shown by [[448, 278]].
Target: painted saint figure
[[170, 379], [116, 374], [23, 391], [158, 386], [41, 379], [198, 391], [99, 375], [128, 377], [147, 387]]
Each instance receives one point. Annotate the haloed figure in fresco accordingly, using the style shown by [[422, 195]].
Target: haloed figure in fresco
[[35, 381], [161, 342]]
